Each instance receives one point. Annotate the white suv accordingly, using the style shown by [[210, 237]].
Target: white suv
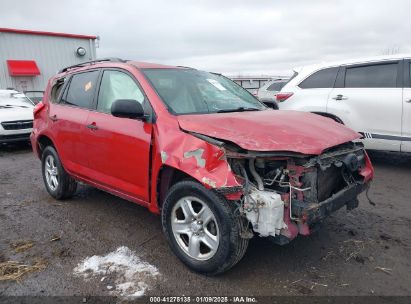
[[371, 96], [16, 116]]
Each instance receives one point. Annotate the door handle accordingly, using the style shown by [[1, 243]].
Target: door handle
[[53, 117], [92, 126], [408, 100], [340, 97]]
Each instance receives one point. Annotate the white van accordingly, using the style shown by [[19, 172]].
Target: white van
[[371, 96]]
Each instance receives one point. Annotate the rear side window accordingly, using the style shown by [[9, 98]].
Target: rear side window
[[81, 90], [276, 86], [322, 79], [372, 76], [56, 90]]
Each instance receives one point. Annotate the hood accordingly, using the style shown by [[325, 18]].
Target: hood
[[271, 130], [15, 112]]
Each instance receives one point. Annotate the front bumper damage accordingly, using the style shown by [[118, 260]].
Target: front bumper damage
[[313, 213], [278, 194], [285, 196]]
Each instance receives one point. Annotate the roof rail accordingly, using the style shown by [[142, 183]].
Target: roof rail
[[111, 59]]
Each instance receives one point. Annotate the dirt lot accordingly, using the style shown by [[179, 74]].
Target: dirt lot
[[364, 252]]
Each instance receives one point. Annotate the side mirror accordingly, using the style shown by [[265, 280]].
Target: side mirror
[[271, 103], [127, 108]]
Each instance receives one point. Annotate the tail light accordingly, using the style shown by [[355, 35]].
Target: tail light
[[280, 97], [38, 107]]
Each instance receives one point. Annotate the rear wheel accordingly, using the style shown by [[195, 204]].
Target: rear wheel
[[58, 183], [201, 228]]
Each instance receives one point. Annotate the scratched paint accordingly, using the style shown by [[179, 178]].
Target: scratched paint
[[209, 182], [198, 155], [164, 156]]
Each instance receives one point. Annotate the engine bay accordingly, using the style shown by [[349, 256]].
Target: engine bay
[[286, 195]]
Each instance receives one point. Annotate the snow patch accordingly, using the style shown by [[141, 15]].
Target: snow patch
[[128, 274]]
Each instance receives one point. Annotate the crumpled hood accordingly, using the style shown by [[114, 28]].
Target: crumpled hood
[[270, 130]]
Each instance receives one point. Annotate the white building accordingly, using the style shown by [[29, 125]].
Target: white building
[[29, 58], [253, 83]]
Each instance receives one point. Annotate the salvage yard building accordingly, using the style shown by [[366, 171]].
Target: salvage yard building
[[29, 58]]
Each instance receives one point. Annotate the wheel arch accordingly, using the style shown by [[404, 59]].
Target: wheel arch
[[167, 177], [42, 142]]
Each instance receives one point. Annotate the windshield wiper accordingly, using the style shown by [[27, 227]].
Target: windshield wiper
[[239, 109]]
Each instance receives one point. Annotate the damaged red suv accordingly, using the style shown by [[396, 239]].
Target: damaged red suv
[[219, 166]]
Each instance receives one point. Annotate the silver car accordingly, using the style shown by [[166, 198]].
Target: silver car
[[271, 88]]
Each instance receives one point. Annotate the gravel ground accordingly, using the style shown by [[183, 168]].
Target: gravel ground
[[363, 252]]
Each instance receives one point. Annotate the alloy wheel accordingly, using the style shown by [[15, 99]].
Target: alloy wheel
[[51, 172], [195, 228]]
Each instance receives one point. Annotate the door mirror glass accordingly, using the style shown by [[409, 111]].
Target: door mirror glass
[[127, 108]]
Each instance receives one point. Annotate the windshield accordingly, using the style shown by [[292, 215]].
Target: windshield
[[188, 91], [15, 100]]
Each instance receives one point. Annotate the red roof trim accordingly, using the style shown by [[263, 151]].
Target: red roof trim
[[23, 68], [16, 31]]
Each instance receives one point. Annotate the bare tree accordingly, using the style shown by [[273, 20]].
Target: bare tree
[[391, 50]]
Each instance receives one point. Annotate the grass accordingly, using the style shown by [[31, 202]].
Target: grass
[[14, 271]]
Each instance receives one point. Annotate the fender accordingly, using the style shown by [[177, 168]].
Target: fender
[[204, 162]]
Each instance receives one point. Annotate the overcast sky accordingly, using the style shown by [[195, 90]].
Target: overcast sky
[[233, 37]]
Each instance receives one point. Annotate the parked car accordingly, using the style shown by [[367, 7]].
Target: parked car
[[198, 149], [270, 89], [16, 116], [34, 96], [371, 96], [254, 92]]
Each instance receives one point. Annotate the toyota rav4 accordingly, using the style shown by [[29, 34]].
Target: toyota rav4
[[218, 165]]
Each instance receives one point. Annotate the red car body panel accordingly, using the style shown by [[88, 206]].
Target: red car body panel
[[119, 153], [270, 130], [126, 157], [67, 127]]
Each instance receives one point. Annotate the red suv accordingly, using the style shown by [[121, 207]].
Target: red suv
[[218, 165]]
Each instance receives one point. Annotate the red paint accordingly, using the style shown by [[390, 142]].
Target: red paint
[[271, 130], [126, 144], [42, 33], [23, 68], [126, 156], [38, 107]]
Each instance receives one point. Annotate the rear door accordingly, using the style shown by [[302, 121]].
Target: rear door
[[119, 148], [368, 99], [406, 117], [68, 115]]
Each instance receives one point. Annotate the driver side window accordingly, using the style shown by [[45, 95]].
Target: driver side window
[[117, 85]]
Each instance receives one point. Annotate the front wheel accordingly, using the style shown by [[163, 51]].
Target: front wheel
[[58, 183], [201, 228]]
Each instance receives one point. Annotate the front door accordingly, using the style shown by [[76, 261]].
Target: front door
[[368, 99], [119, 148]]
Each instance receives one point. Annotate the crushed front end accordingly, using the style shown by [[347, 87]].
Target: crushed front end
[[286, 194]]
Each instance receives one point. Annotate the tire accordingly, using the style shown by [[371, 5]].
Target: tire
[[58, 183], [215, 232]]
